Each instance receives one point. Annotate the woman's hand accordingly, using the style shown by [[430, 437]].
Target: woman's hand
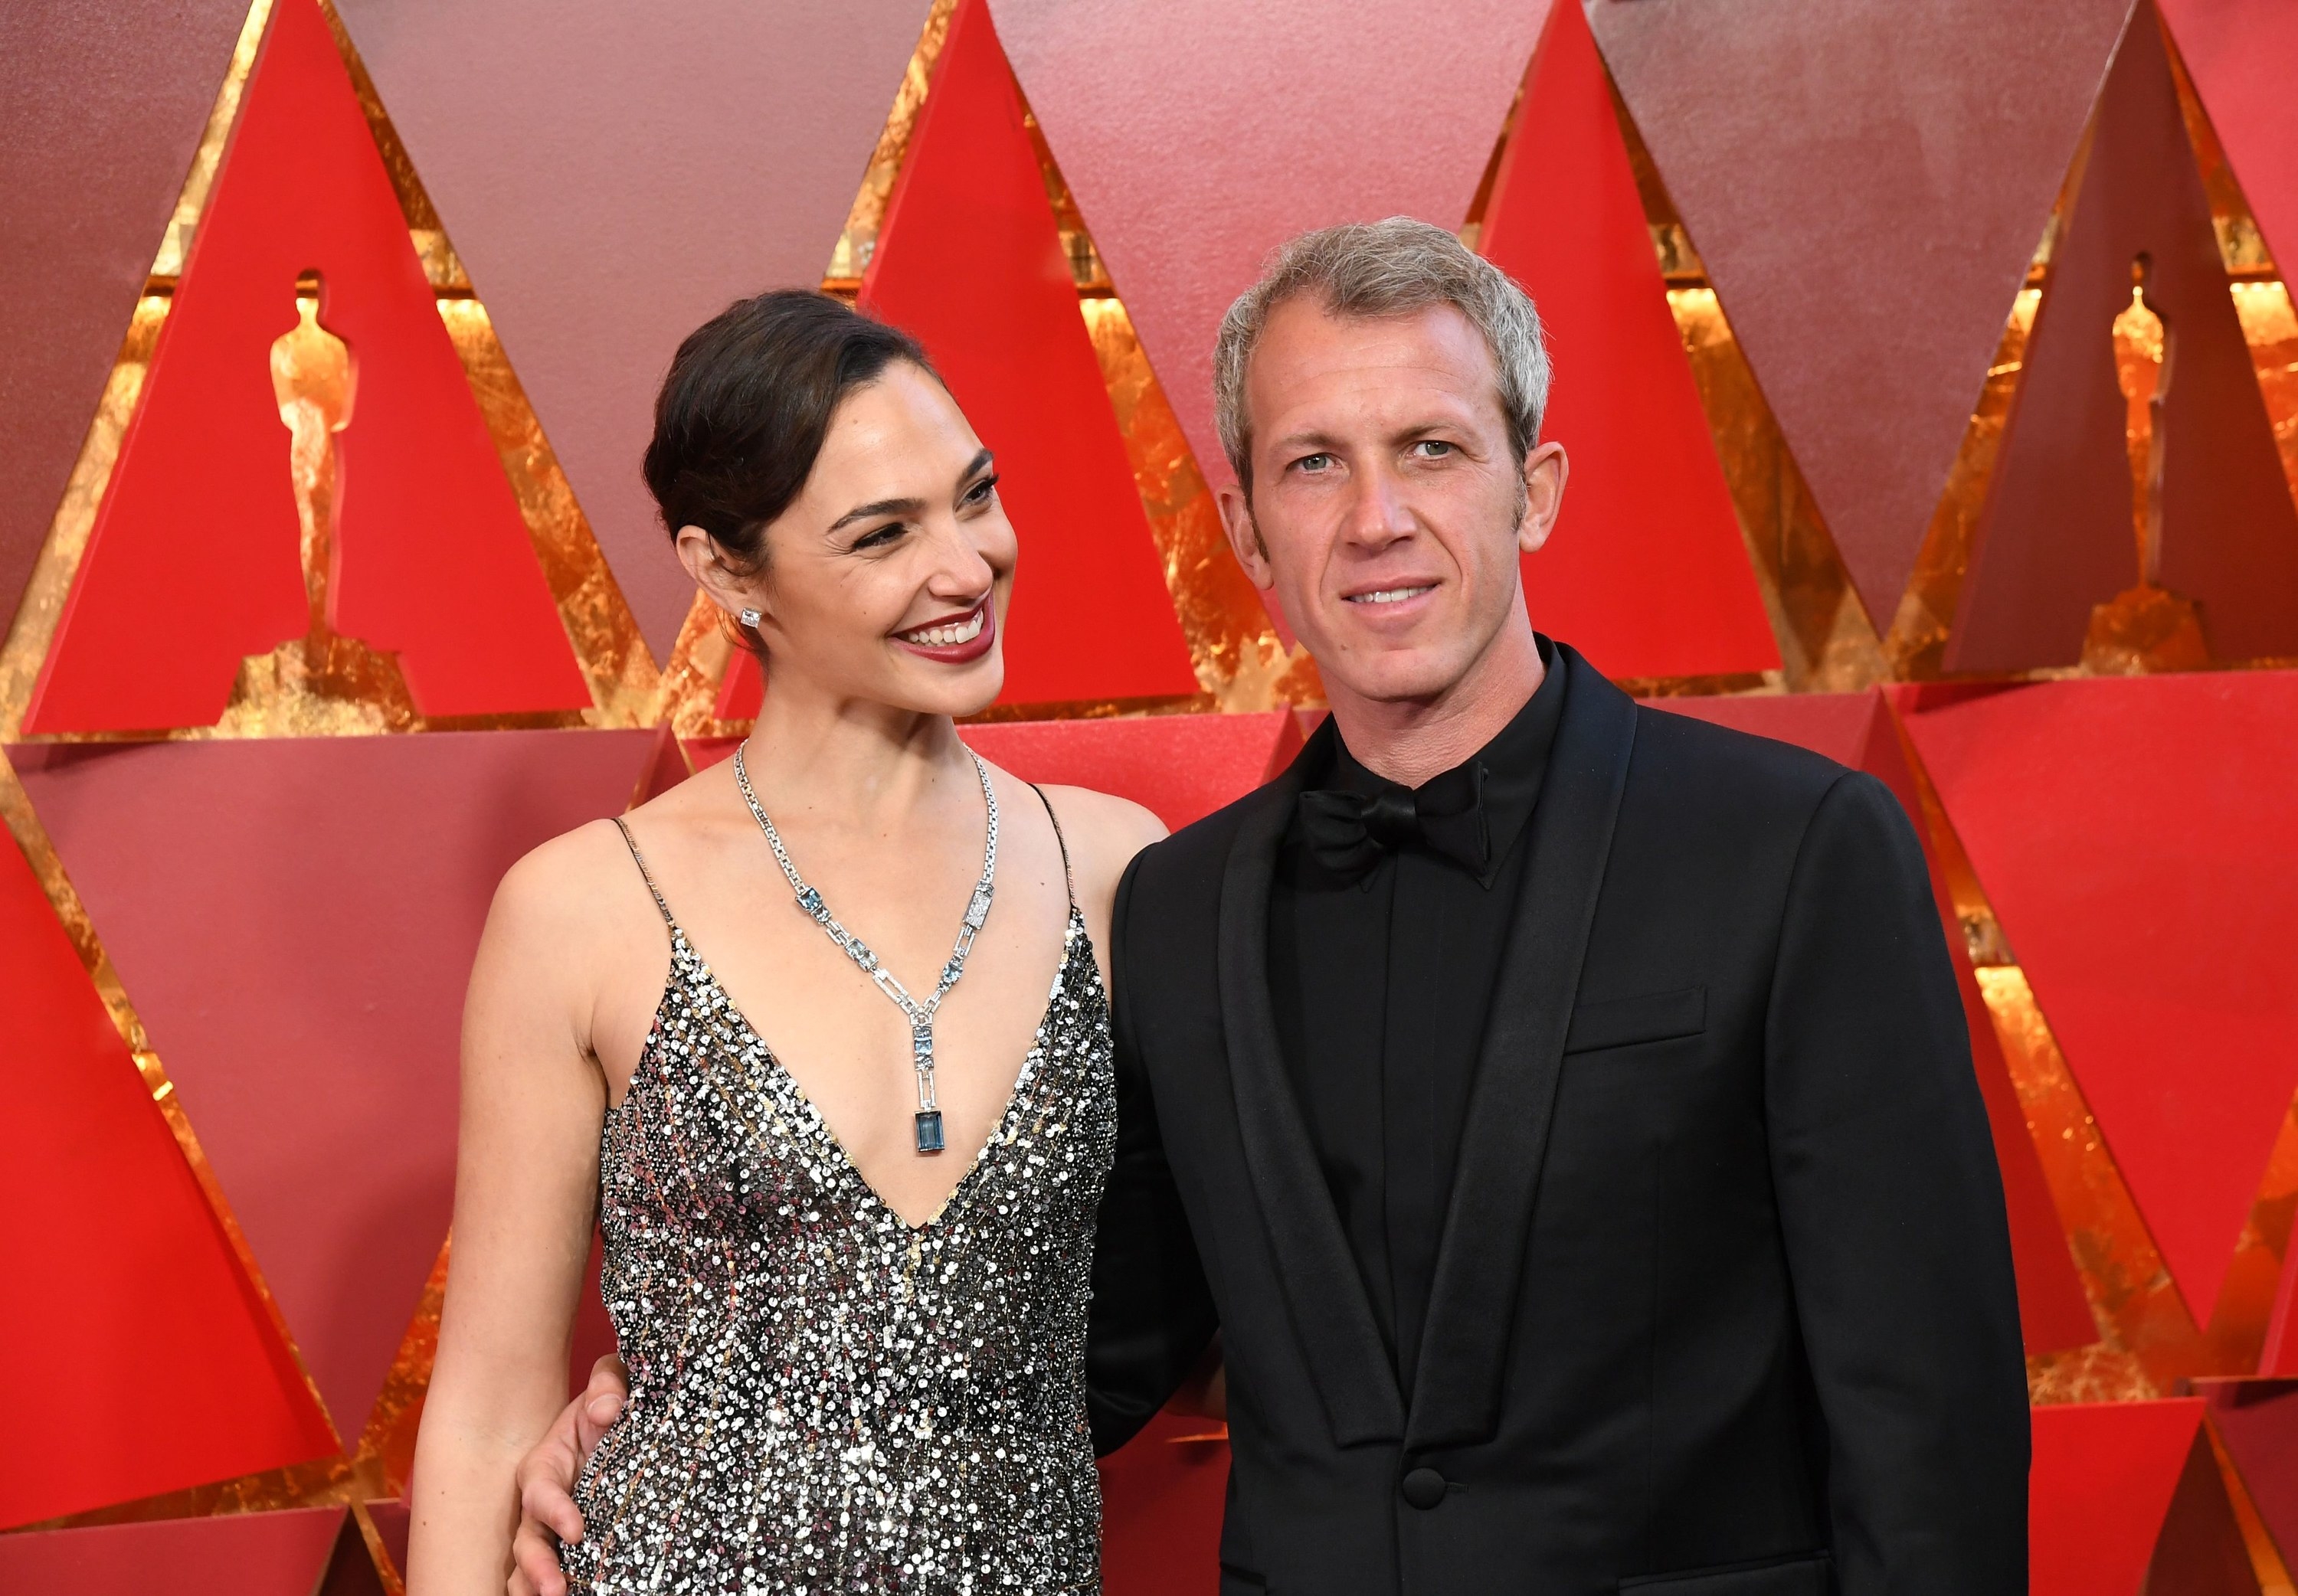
[[547, 1514]]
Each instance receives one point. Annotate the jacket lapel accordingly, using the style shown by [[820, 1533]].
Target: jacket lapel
[[1330, 1311], [1480, 1264]]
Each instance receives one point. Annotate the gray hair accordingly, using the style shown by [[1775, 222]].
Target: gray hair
[[1377, 269]]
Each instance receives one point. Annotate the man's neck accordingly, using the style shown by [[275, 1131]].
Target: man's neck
[[1409, 740]]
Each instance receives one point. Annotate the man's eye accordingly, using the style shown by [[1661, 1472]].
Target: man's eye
[[1312, 462], [1435, 449]]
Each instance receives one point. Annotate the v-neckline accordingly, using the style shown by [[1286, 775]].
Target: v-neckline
[[1073, 935]]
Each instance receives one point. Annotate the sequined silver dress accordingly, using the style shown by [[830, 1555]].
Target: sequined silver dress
[[823, 1397]]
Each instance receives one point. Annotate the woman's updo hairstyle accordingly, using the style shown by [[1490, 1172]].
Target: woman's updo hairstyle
[[747, 404]]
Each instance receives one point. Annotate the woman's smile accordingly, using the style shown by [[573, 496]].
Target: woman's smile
[[954, 640]]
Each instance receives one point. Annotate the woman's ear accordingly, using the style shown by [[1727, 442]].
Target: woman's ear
[[699, 553]]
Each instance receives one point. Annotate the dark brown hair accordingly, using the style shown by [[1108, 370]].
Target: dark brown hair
[[747, 404]]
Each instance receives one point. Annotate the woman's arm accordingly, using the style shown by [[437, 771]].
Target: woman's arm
[[525, 1192]]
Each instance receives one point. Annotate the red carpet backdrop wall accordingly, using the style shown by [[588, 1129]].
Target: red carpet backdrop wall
[[1932, 394]]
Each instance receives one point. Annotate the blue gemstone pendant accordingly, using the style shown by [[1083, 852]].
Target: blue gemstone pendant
[[929, 1130]]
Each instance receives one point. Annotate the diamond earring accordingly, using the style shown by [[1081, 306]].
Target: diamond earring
[[750, 618]]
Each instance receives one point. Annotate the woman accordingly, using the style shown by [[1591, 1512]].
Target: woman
[[846, 1155]]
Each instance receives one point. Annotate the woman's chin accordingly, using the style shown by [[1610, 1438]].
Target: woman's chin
[[956, 691]]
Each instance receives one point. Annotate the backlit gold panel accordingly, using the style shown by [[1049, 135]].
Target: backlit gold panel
[[441, 264], [2122, 1270], [386, 1446], [1234, 649], [686, 696], [1917, 641], [324, 1482], [1086, 270], [394, 1582], [1826, 644], [608, 644], [2271, 330], [177, 243], [850, 256]]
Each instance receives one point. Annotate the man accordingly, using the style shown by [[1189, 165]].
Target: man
[[1562, 1108]]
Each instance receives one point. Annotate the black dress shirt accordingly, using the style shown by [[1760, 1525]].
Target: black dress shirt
[[1380, 986]]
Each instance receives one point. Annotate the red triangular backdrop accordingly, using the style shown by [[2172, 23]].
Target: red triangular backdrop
[[2104, 1477], [1645, 573], [194, 561], [296, 919], [2238, 53], [2136, 839], [149, 1363], [970, 262]]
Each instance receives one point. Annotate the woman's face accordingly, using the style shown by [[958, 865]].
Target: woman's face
[[887, 579]]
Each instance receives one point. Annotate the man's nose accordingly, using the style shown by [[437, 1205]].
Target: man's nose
[[1377, 515]]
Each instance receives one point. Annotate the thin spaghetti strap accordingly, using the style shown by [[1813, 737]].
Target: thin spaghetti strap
[[645, 874], [1068, 877]]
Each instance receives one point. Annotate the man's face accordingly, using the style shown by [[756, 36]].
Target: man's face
[[1387, 510]]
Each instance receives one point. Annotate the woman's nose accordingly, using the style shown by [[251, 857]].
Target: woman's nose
[[961, 569]]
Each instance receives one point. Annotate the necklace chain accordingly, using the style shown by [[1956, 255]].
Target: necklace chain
[[921, 1014]]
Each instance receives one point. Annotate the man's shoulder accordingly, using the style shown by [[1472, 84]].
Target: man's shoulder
[[1191, 861], [1688, 760]]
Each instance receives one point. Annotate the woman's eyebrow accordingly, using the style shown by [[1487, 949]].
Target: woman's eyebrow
[[879, 507]]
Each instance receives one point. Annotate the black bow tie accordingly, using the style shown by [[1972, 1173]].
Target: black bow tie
[[1350, 832]]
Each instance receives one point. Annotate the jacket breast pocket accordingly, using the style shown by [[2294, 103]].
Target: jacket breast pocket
[[1652, 1017], [1813, 1575]]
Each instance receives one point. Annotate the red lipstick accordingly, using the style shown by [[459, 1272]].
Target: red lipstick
[[965, 653]]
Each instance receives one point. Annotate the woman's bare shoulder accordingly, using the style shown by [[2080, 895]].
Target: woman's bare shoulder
[[1104, 832], [579, 883]]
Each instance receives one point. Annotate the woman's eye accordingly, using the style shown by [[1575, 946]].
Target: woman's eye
[[877, 539], [980, 492]]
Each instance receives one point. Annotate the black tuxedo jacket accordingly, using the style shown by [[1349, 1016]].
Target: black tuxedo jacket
[[1724, 1305]]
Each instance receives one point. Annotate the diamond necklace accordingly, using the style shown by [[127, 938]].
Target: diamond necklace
[[921, 1014]]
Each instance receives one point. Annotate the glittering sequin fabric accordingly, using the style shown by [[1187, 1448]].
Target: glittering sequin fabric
[[822, 1398]]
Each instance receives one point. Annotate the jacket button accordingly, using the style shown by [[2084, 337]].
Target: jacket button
[[1424, 1488]]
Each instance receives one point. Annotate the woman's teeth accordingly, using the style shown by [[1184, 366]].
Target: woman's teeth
[[947, 636], [1391, 595]]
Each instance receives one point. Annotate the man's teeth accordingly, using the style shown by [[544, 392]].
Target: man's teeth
[[947, 637], [1391, 595]]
